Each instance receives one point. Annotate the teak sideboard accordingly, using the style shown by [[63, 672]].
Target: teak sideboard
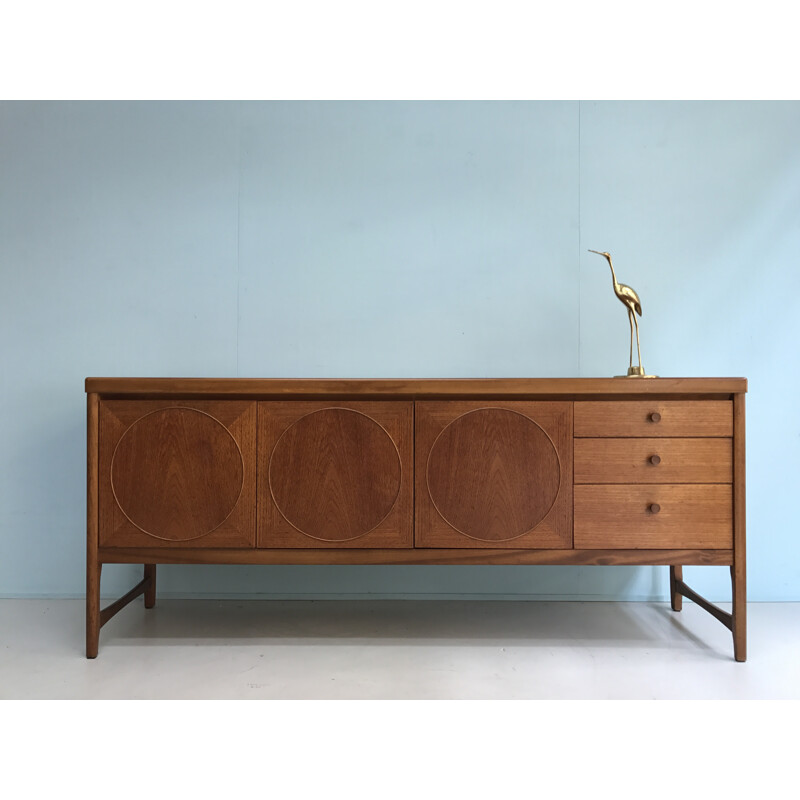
[[489, 471]]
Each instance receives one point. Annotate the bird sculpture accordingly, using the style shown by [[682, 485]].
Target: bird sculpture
[[631, 301]]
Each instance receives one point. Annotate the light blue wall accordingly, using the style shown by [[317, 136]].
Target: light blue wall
[[389, 239]]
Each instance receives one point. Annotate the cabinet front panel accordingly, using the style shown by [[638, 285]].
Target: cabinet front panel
[[335, 475], [654, 516], [654, 418], [493, 474], [174, 472], [653, 460]]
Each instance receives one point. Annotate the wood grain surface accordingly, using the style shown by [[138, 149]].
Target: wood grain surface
[[177, 471], [520, 388], [690, 516], [498, 474], [335, 475], [637, 418], [493, 474], [417, 555], [739, 568], [93, 564], [662, 460]]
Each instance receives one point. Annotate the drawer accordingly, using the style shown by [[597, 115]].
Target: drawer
[[654, 418], [653, 460], [622, 516]]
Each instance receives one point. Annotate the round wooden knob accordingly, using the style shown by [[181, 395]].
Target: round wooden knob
[[655, 417], [655, 460], [654, 508]]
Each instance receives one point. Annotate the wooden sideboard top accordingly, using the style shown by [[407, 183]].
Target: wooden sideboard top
[[413, 387]]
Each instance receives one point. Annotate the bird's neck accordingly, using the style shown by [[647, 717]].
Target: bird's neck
[[613, 276]]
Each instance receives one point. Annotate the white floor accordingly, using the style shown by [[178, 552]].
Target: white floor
[[256, 649]]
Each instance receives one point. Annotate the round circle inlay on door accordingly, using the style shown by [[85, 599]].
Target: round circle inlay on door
[[177, 473], [493, 474], [335, 474]]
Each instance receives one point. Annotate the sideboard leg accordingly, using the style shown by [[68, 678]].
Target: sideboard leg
[[676, 599], [93, 569], [739, 627], [738, 568], [150, 591], [93, 565]]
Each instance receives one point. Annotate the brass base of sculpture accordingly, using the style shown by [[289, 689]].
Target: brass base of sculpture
[[636, 372]]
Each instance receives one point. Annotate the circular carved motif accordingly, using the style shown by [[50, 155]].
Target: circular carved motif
[[177, 473], [335, 474], [493, 474]]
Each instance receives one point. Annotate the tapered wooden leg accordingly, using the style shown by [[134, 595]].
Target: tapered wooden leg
[[739, 626], [738, 569], [675, 574], [150, 591], [93, 569], [93, 565]]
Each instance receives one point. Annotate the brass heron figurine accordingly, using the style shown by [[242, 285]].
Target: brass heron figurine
[[631, 301]]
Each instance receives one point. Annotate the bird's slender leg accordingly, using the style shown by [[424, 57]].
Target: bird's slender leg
[[638, 346], [631, 319]]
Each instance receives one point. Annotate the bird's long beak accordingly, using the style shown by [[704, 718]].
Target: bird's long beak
[[598, 252]]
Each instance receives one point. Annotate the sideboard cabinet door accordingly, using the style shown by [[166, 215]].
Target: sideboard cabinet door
[[496, 474], [335, 474], [177, 473]]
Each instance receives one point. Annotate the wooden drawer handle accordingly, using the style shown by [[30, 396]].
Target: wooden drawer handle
[[654, 508], [655, 460], [655, 417]]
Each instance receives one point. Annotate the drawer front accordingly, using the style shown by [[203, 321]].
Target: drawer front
[[653, 460], [654, 516], [654, 418]]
